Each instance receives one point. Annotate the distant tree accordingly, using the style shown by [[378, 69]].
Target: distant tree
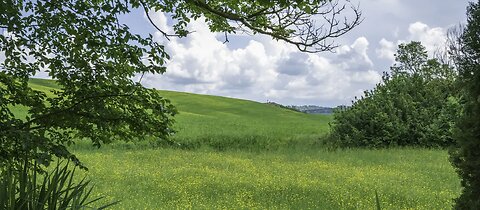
[[93, 58], [415, 105], [466, 157]]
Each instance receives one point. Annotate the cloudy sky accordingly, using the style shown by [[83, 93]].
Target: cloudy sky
[[258, 68]]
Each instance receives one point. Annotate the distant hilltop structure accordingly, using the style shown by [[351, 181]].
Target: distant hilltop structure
[[309, 109]]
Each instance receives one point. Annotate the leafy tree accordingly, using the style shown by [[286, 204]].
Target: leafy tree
[[466, 158], [413, 106], [93, 58]]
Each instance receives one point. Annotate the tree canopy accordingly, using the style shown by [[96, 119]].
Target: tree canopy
[[93, 58]]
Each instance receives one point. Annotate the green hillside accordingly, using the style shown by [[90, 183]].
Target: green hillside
[[263, 157], [222, 122]]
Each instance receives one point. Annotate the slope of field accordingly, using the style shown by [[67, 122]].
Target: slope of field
[[247, 155], [223, 123], [227, 123]]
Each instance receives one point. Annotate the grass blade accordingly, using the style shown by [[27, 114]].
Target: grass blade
[[377, 201]]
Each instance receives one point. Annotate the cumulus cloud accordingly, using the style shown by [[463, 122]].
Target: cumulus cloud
[[293, 64], [201, 63], [264, 69], [386, 50], [432, 38], [336, 78], [355, 57]]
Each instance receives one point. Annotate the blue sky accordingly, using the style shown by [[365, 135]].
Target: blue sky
[[258, 68]]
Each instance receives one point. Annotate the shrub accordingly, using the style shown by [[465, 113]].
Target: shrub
[[413, 106]]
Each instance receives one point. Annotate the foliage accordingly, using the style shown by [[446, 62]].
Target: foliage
[[466, 157], [414, 106], [26, 189], [93, 58]]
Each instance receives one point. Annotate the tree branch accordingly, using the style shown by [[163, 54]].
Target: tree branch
[[165, 34], [293, 25]]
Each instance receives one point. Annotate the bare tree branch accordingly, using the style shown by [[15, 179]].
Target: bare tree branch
[[165, 34], [311, 31]]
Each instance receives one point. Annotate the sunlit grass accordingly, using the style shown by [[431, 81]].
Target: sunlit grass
[[226, 123], [222, 123], [205, 179]]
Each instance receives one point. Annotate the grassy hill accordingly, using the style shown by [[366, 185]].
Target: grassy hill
[[264, 157], [222, 123]]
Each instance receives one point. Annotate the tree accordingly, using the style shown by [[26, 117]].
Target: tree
[[415, 105], [93, 57], [466, 157]]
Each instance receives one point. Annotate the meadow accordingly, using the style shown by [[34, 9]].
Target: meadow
[[314, 179], [239, 154]]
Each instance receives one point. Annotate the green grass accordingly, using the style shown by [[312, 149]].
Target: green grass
[[311, 179], [223, 123], [247, 155], [226, 123]]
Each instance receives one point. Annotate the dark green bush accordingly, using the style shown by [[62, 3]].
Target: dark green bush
[[415, 105]]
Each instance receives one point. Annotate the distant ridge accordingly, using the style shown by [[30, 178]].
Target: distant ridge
[[308, 109], [283, 106], [313, 109]]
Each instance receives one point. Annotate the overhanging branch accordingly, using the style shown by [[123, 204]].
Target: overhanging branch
[[294, 25]]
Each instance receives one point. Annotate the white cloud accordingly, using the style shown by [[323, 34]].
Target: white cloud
[[264, 69], [355, 56], [386, 50], [431, 38]]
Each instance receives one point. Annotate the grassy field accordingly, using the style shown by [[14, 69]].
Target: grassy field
[[241, 154], [225, 123], [202, 179]]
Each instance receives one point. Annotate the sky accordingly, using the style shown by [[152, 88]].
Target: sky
[[261, 69]]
